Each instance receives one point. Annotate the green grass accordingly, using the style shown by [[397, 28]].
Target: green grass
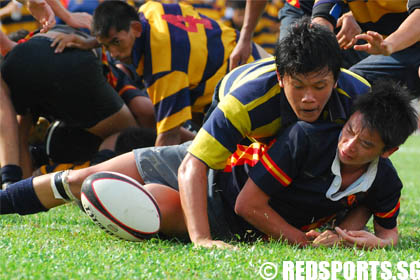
[[64, 244]]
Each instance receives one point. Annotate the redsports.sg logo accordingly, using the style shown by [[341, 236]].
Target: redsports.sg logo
[[323, 270]]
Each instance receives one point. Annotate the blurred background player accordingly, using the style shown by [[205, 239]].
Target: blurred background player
[[267, 29], [391, 40], [15, 16], [180, 54]]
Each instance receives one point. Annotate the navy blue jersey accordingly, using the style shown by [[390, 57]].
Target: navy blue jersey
[[295, 171]]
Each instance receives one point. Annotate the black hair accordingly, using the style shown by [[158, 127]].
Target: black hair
[[18, 35], [388, 110], [133, 138], [308, 48], [112, 14]]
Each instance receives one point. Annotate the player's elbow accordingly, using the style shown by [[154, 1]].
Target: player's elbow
[[244, 208]]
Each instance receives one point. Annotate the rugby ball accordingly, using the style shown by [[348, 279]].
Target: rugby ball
[[120, 206]]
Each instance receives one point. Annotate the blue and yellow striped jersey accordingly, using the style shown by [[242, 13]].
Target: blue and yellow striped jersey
[[252, 105], [213, 9], [181, 55], [382, 16]]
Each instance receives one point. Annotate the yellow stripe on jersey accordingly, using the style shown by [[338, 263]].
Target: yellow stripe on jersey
[[360, 78], [252, 76], [168, 85], [233, 107], [265, 130], [270, 93], [160, 37], [206, 144], [198, 47], [339, 90], [174, 120], [239, 81]]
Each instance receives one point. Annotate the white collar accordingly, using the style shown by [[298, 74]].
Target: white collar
[[362, 184]]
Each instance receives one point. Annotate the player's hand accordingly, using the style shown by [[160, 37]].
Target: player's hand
[[43, 13], [80, 20], [312, 234], [375, 44], [209, 243], [240, 54], [328, 238], [62, 41], [361, 238], [346, 37]]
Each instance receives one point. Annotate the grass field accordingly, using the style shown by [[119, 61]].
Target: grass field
[[64, 244]]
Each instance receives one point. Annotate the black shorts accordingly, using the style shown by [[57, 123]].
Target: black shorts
[[69, 86]]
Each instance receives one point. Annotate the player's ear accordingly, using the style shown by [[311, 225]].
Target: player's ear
[[137, 28], [280, 79], [389, 152]]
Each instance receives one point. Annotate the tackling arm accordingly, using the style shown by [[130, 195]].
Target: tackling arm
[[242, 51], [192, 179], [252, 205]]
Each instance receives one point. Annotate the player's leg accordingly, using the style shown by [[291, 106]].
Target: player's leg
[[114, 124], [25, 124], [41, 193], [172, 218], [9, 137]]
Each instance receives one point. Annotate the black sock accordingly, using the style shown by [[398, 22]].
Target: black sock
[[20, 198]]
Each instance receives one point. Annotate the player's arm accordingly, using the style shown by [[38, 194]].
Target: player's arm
[[72, 40], [8, 9], [172, 105], [76, 20], [192, 180], [326, 12], [174, 136], [242, 51], [42, 12], [5, 44], [349, 29], [402, 38], [252, 205]]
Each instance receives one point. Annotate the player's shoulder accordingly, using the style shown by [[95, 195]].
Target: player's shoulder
[[312, 133], [250, 81], [351, 84]]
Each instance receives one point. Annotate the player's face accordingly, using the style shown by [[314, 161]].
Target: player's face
[[119, 44], [358, 145], [307, 94]]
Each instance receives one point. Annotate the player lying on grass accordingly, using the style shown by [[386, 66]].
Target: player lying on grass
[[303, 179]]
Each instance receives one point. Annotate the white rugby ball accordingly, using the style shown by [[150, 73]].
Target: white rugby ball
[[120, 206]]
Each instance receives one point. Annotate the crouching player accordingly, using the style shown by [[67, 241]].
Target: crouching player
[[311, 172]]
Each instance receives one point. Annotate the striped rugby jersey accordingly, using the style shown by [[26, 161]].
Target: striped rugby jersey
[[181, 55], [253, 106]]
